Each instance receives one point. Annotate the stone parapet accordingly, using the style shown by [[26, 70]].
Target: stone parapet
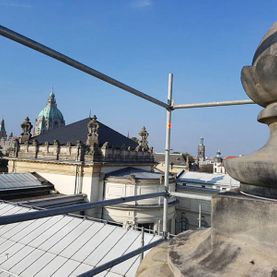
[[240, 242], [79, 152]]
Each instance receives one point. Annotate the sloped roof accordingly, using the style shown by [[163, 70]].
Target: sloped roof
[[21, 185], [138, 173], [65, 246], [207, 178], [78, 131]]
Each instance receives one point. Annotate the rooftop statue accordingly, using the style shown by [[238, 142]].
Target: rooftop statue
[[26, 127], [258, 172], [93, 127]]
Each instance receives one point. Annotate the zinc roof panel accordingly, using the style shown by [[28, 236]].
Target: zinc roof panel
[[19, 252], [121, 246], [111, 274], [102, 250], [71, 236], [132, 270], [21, 234], [59, 235], [38, 265], [51, 267], [16, 227], [66, 268], [40, 229], [93, 243], [77, 244], [81, 269], [124, 267], [6, 248], [4, 274], [43, 237], [78, 240], [27, 261]]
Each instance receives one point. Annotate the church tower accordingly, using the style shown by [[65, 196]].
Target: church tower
[[3, 133], [49, 118], [201, 151]]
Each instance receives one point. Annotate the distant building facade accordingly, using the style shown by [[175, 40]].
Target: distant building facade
[[193, 209], [77, 159], [49, 118], [5, 143], [3, 133], [144, 213], [201, 151], [177, 162], [218, 166]]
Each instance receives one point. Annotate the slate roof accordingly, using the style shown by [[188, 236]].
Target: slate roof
[[78, 131], [65, 245]]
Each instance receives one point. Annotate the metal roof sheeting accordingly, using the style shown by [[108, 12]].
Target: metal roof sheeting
[[207, 178], [64, 246], [18, 181]]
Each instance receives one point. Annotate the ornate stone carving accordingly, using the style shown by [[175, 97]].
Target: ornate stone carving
[[143, 143], [26, 127], [258, 172], [93, 126]]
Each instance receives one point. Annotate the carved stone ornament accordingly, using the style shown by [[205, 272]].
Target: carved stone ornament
[[258, 172], [93, 126], [26, 127], [143, 143]]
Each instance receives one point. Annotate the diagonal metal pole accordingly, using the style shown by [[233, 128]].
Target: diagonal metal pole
[[213, 104], [8, 219], [82, 67], [167, 154]]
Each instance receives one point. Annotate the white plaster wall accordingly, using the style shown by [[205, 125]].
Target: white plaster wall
[[140, 216], [115, 190], [63, 183]]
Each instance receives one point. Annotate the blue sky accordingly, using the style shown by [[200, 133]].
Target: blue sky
[[203, 43]]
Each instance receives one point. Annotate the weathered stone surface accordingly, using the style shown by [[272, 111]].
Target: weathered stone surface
[[258, 171], [155, 263], [240, 243]]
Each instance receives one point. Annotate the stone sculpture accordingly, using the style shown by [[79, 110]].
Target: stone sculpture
[[143, 143], [258, 172], [26, 127], [93, 127]]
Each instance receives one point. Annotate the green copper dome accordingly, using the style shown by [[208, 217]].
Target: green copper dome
[[50, 117], [50, 110]]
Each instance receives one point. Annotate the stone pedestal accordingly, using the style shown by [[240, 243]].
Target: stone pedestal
[[241, 242]]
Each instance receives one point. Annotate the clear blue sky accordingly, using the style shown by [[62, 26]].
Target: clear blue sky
[[203, 43]]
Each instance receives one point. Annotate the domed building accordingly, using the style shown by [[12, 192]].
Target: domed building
[[49, 118]]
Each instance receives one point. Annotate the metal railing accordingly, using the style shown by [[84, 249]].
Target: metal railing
[[169, 107]]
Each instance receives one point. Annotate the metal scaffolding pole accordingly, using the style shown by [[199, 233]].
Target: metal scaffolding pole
[[7, 219], [213, 104], [120, 259], [69, 61], [167, 154]]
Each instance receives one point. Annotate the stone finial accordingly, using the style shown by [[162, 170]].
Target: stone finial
[[143, 143], [93, 126], [258, 172], [26, 127]]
